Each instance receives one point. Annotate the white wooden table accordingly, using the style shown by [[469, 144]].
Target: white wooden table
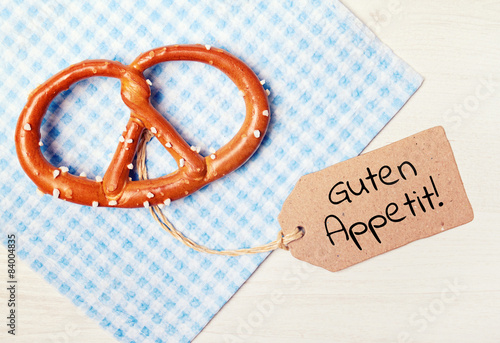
[[442, 289]]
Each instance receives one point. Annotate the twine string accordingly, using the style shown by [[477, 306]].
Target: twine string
[[281, 242]]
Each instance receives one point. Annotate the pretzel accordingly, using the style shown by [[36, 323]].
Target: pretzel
[[115, 189]]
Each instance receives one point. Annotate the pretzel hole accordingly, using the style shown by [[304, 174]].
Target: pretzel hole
[[159, 162], [200, 101], [82, 125]]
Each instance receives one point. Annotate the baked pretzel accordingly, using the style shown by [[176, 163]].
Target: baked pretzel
[[115, 189]]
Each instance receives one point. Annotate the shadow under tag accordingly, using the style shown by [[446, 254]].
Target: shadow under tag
[[376, 202]]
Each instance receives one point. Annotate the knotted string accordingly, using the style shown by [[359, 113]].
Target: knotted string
[[281, 241]]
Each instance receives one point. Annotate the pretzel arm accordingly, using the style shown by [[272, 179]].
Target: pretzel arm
[[117, 174], [189, 162]]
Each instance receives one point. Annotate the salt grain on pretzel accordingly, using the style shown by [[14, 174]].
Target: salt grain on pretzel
[[56, 173], [195, 148], [115, 188]]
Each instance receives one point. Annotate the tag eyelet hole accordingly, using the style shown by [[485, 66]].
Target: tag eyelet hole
[[302, 230]]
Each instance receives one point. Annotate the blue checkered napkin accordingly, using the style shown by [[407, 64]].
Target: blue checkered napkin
[[333, 86]]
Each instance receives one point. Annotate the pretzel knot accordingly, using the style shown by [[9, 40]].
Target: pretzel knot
[[194, 171]]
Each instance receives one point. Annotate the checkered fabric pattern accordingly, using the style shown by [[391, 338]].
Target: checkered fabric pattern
[[333, 85]]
